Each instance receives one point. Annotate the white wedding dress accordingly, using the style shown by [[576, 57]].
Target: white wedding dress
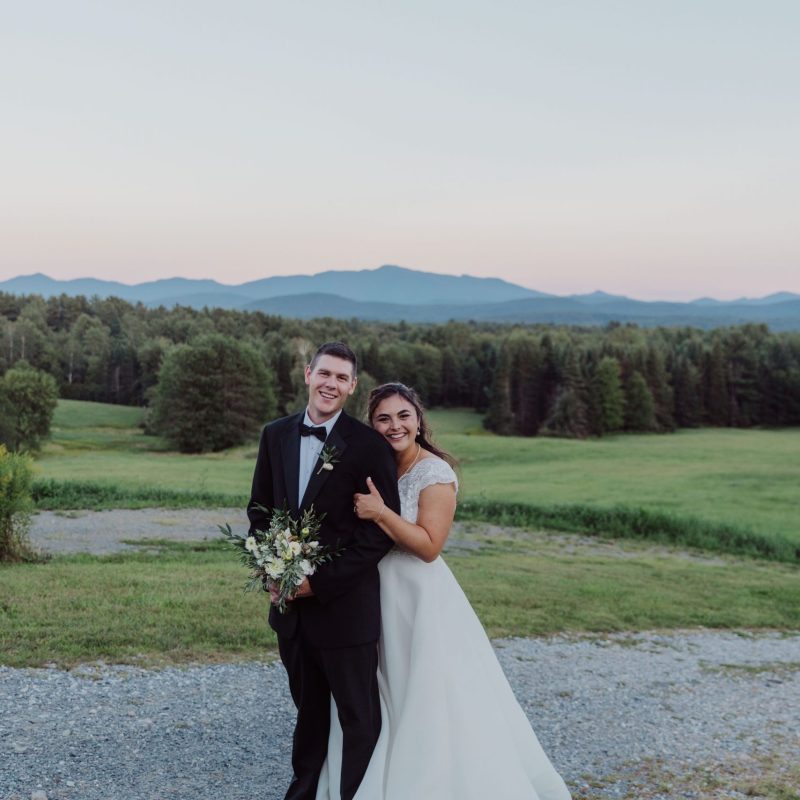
[[451, 726]]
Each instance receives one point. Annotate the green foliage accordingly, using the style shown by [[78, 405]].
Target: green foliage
[[533, 379], [212, 394], [639, 406], [28, 398], [16, 471], [608, 396], [357, 404], [498, 416]]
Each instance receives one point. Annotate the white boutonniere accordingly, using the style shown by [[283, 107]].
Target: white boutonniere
[[328, 457]]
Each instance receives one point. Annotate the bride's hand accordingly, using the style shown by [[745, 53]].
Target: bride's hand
[[369, 506]]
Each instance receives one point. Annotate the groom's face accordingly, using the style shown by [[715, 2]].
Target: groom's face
[[330, 382]]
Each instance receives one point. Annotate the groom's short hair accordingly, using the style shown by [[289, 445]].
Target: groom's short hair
[[338, 349]]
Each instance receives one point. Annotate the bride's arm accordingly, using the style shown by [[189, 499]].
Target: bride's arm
[[426, 538]]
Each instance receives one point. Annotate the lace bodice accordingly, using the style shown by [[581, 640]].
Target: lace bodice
[[423, 474]]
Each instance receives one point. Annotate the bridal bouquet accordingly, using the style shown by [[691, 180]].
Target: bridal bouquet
[[283, 555]]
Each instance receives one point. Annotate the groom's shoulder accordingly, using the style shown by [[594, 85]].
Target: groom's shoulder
[[277, 425], [367, 436]]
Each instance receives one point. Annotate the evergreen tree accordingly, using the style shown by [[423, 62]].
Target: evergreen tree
[[743, 390], [608, 395], [568, 415], [525, 384], [498, 415], [639, 405], [688, 406], [663, 396], [715, 382]]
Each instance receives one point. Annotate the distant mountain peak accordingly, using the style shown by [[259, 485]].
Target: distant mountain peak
[[392, 292]]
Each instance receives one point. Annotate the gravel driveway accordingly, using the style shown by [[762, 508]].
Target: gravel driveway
[[621, 716]]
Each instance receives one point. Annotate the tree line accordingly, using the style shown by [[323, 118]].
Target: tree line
[[526, 379]]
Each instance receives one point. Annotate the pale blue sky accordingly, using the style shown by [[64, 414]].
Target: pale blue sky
[[648, 148]]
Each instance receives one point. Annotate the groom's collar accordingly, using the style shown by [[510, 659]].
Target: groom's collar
[[328, 425]]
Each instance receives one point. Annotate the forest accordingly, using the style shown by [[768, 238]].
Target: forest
[[526, 380]]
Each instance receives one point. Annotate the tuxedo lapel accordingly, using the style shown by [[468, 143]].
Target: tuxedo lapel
[[290, 458], [336, 441]]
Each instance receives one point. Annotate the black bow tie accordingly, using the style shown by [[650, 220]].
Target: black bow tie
[[312, 430]]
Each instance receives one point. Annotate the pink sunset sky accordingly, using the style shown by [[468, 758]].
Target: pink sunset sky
[[641, 149]]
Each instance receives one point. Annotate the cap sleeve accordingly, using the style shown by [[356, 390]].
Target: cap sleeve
[[435, 470]]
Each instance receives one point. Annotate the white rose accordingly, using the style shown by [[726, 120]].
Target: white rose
[[275, 569], [305, 566], [295, 548], [327, 465]]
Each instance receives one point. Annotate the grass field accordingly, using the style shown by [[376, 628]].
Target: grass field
[[749, 479], [186, 604]]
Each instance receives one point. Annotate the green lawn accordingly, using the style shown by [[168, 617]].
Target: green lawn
[[746, 478], [742, 477], [186, 603]]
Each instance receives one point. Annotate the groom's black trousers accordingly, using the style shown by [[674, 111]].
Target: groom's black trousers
[[351, 675]]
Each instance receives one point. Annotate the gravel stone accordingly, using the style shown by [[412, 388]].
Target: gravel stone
[[103, 532], [598, 705], [601, 705]]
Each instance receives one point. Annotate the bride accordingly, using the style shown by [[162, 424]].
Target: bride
[[451, 725]]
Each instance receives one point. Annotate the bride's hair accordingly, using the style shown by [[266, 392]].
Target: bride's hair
[[424, 437]]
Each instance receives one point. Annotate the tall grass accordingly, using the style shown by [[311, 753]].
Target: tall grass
[[619, 521], [93, 495], [635, 523]]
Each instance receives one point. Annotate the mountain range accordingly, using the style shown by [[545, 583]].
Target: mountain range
[[391, 294]]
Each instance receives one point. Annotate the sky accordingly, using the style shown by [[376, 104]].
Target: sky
[[639, 147]]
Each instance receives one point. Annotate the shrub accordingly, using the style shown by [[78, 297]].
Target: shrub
[[16, 471], [28, 398]]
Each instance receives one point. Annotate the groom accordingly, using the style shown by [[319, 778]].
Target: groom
[[328, 637]]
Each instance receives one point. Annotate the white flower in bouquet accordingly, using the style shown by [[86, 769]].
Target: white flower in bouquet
[[275, 568], [284, 555]]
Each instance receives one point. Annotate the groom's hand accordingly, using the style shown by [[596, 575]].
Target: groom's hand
[[303, 590]]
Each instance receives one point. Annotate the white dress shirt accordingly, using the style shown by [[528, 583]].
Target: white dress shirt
[[310, 448]]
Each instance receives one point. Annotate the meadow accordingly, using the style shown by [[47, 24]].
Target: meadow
[[747, 480], [175, 602]]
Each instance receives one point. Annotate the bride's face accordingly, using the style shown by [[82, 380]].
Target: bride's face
[[396, 420]]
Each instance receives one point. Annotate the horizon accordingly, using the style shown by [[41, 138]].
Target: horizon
[[397, 266], [636, 151]]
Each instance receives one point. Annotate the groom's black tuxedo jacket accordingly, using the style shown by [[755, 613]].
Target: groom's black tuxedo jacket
[[345, 608]]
